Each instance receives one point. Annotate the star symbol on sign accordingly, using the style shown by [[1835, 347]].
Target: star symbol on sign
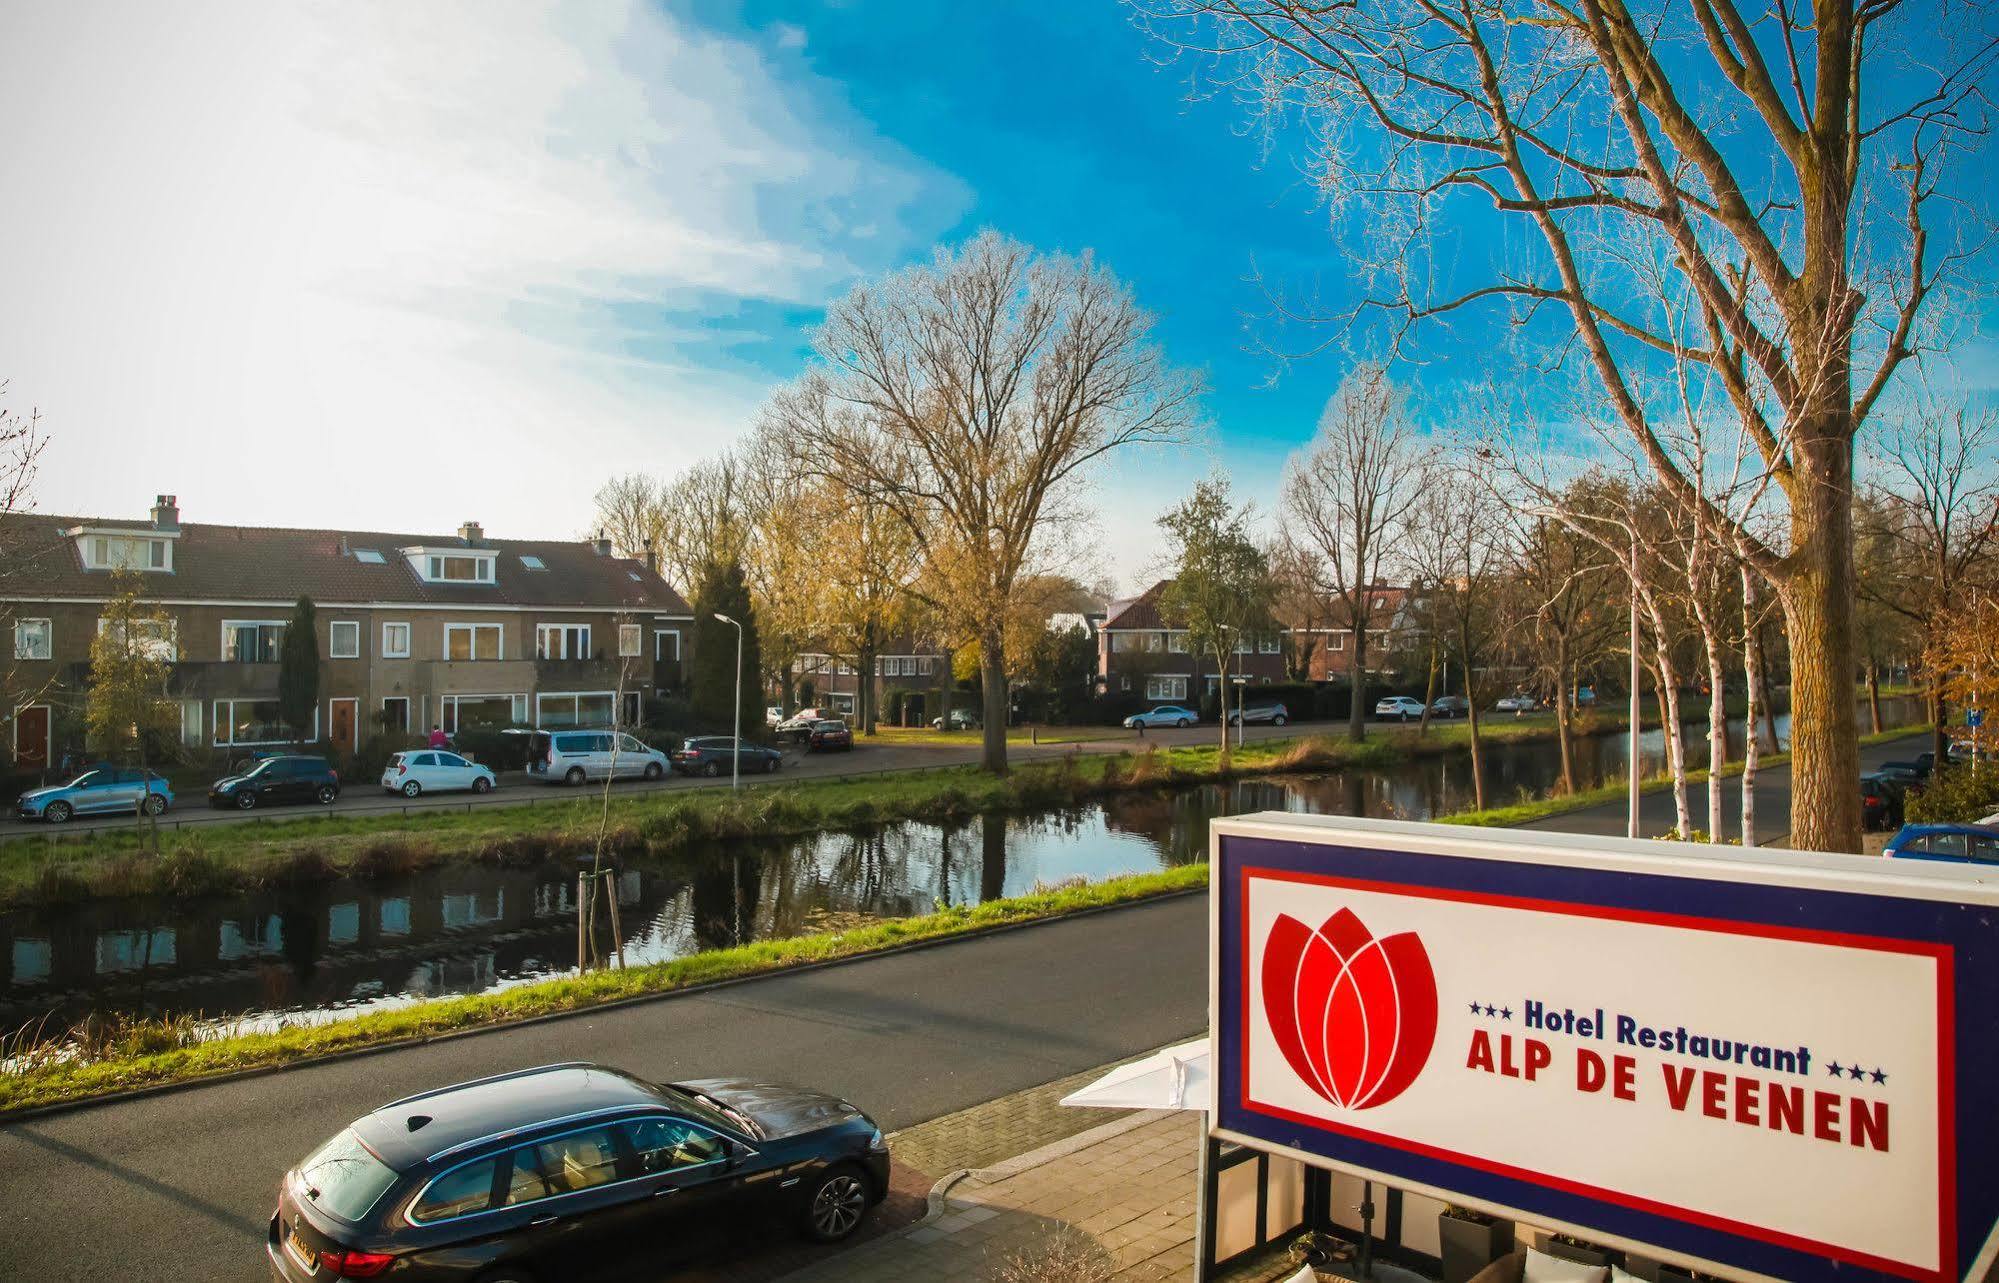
[[1506, 1013], [1880, 1077], [1834, 1069], [1855, 1073], [1490, 1010], [1475, 1009]]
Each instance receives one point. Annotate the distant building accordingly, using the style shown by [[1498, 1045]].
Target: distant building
[[1331, 656], [1140, 650]]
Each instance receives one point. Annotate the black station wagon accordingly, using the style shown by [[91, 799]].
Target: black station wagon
[[570, 1171]]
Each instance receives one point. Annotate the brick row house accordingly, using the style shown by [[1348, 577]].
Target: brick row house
[[1330, 658], [1143, 652], [462, 630], [904, 662]]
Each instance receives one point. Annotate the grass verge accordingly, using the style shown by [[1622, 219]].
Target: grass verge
[[152, 1053]]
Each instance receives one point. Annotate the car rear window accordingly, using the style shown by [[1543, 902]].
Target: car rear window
[[343, 1178], [572, 743]]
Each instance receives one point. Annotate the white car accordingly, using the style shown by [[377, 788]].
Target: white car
[[1164, 715], [571, 757], [1401, 706], [1518, 704], [433, 770]]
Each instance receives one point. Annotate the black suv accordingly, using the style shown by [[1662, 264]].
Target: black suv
[[567, 1172], [278, 779]]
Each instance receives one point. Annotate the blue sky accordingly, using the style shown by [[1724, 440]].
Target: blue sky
[[400, 266]]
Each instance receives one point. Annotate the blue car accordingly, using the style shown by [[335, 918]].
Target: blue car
[[1956, 843], [1164, 715], [100, 790]]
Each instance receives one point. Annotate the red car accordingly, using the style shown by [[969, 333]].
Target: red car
[[829, 735]]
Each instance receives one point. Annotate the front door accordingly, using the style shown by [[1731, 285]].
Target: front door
[[31, 739], [343, 715]]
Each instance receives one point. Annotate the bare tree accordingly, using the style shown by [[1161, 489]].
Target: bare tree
[[631, 514], [1570, 579], [1297, 574], [972, 396], [1349, 492], [21, 442], [1736, 147]]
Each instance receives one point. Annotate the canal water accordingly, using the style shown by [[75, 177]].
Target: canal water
[[319, 952]]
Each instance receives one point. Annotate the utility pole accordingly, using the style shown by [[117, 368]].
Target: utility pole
[[736, 745]]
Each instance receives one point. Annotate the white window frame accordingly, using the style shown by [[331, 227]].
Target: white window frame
[[333, 628], [48, 639], [404, 700], [1176, 643], [659, 635], [171, 642], [389, 649], [633, 713], [1269, 646], [567, 632], [576, 697], [228, 625], [190, 721], [631, 641], [447, 707], [482, 567], [472, 653], [1338, 641], [155, 553], [1166, 688], [222, 724]]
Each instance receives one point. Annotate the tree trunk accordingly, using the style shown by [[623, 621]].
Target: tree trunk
[[1477, 762], [1357, 713], [1939, 738], [1874, 693], [992, 681], [1769, 700], [1818, 607], [1564, 687], [1222, 700], [1667, 680], [864, 696], [1429, 692], [1717, 724], [1752, 680]]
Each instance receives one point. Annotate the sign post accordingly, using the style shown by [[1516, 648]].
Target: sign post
[[1763, 1064]]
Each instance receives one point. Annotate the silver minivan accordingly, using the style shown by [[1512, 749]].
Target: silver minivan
[[572, 757]]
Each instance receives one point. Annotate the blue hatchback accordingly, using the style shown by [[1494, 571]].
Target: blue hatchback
[[100, 790], [1956, 843]]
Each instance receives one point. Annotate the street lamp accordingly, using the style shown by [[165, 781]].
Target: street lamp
[[736, 753]]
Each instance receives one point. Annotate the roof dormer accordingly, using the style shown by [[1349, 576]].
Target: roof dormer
[[123, 548], [453, 565]]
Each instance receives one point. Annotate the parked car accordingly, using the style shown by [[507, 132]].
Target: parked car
[[1450, 706], [101, 790], [1585, 696], [1912, 778], [565, 1170], [1880, 803], [709, 755], [1517, 703], [962, 719], [427, 770], [575, 756], [828, 734], [773, 715], [1163, 715], [1401, 707], [1274, 714], [285, 778], [1958, 843], [799, 725]]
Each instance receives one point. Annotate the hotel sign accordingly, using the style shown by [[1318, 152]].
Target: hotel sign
[[1750, 1063]]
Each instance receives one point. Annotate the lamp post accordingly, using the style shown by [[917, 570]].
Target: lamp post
[[736, 741]]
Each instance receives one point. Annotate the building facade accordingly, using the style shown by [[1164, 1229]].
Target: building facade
[[916, 667], [460, 631], [1328, 646], [1141, 651]]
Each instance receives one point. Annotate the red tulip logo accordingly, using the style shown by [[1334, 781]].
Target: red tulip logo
[[1353, 1015]]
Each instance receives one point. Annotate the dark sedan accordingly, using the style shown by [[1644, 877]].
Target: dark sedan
[[709, 755], [830, 734], [1880, 803], [277, 780], [571, 1171]]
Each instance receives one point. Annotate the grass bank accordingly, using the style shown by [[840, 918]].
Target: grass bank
[[151, 1053], [223, 858]]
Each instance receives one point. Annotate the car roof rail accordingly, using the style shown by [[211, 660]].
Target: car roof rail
[[481, 1082]]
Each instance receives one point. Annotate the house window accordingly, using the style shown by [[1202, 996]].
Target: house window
[[1157, 687], [448, 569], [633, 713], [252, 641], [1176, 643], [532, 563], [127, 552], [572, 709], [1339, 641], [925, 665], [472, 641], [1269, 646], [252, 721], [33, 639], [190, 722], [369, 557], [344, 640], [1156, 642], [395, 713], [481, 712], [562, 641], [156, 637], [395, 641], [666, 645], [631, 640]]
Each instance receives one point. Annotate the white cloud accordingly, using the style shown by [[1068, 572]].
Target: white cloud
[[402, 265]]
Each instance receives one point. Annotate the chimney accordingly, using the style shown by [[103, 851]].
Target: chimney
[[601, 545], [652, 558], [471, 533], [166, 512]]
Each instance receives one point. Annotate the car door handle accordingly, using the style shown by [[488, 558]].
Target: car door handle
[[540, 1221], [664, 1190]]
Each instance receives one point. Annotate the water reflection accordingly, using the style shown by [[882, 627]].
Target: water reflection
[[344, 946]]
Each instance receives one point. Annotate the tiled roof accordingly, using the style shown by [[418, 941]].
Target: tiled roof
[[1141, 611], [267, 563]]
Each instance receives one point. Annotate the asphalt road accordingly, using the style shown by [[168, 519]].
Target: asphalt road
[[181, 1185], [366, 797]]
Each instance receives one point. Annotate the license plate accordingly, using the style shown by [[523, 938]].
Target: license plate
[[296, 1246]]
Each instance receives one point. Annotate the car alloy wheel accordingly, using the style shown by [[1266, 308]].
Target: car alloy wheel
[[481, 784], [654, 770], [246, 799], [411, 788], [770, 764], [837, 1206], [57, 813], [574, 777], [154, 804], [327, 794], [1277, 720], [712, 769], [1183, 723]]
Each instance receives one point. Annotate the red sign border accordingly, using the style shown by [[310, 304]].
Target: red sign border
[[1941, 954]]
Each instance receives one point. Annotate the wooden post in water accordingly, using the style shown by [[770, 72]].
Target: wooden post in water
[[582, 893], [617, 929]]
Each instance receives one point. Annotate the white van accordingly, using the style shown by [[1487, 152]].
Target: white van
[[572, 757]]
